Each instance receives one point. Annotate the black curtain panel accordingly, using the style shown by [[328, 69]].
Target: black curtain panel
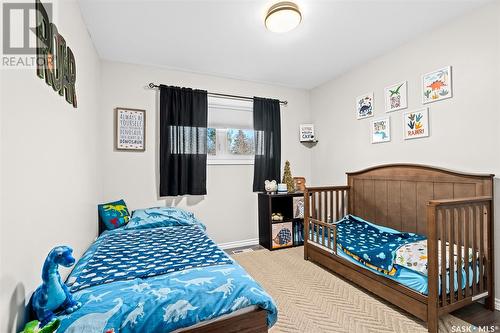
[[267, 126], [183, 141]]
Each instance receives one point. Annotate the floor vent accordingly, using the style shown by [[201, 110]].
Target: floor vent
[[242, 251]]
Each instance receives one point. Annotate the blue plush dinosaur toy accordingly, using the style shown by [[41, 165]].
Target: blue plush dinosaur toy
[[53, 295]]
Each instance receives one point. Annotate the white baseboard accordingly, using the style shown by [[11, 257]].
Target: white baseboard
[[240, 243]]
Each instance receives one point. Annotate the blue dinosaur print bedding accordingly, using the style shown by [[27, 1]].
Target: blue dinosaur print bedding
[[371, 245], [164, 301], [141, 253], [162, 217]]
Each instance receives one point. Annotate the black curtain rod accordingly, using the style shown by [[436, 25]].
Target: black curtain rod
[[237, 97]]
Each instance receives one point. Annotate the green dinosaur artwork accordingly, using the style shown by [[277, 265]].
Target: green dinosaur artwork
[[396, 91]]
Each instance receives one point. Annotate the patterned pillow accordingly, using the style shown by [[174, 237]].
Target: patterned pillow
[[114, 214], [157, 217]]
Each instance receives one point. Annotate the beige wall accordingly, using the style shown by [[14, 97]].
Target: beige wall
[[464, 130], [49, 175], [230, 208]]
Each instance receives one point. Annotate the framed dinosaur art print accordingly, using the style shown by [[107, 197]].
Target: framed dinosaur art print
[[437, 85], [396, 97], [416, 124], [381, 130], [364, 106]]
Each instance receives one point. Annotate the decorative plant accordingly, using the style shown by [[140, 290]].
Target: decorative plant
[[287, 178]]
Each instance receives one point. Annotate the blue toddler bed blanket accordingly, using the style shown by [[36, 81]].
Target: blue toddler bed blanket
[[371, 245], [142, 253]]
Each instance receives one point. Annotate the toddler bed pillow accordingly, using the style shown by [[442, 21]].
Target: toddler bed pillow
[[162, 217], [414, 256], [114, 214]]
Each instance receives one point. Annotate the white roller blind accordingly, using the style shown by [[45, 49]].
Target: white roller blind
[[227, 113]]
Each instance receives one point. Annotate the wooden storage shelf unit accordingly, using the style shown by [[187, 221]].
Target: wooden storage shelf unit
[[284, 204]]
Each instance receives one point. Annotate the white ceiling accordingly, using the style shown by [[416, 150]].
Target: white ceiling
[[228, 38]]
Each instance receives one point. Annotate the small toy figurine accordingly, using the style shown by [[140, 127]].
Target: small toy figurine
[[53, 294], [270, 186], [277, 217]]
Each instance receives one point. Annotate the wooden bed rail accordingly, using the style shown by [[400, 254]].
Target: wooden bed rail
[[322, 206], [454, 227], [325, 235], [460, 201]]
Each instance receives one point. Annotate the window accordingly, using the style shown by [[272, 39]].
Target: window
[[240, 141], [211, 141], [231, 145], [230, 134]]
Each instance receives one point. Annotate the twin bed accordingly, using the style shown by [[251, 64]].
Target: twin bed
[[417, 236], [162, 273]]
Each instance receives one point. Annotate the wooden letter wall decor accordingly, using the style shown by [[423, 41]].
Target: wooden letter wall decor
[[55, 61]]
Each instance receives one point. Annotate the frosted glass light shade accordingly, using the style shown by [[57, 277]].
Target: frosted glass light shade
[[283, 17]]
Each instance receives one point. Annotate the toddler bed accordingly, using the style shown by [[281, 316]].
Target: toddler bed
[[403, 259], [393, 226], [162, 273]]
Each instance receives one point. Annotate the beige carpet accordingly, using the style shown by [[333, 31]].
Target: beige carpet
[[311, 299]]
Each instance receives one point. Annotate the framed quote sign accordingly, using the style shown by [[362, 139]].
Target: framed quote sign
[[130, 129]]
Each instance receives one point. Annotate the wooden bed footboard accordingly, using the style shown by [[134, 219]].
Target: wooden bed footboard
[[459, 230]]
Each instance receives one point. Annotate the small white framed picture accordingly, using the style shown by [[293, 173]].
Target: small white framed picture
[[364, 106], [437, 85], [130, 129], [307, 133], [416, 124], [381, 130], [396, 97]]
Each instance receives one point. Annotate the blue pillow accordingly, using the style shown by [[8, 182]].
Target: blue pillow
[[114, 214], [162, 217]]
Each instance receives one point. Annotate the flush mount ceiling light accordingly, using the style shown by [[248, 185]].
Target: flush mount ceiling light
[[283, 17]]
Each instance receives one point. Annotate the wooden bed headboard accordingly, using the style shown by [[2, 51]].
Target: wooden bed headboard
[[396, 195]]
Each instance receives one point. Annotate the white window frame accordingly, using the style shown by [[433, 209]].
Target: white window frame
[[221, 141]]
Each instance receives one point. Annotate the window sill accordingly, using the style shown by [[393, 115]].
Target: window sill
[[229, 162]]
